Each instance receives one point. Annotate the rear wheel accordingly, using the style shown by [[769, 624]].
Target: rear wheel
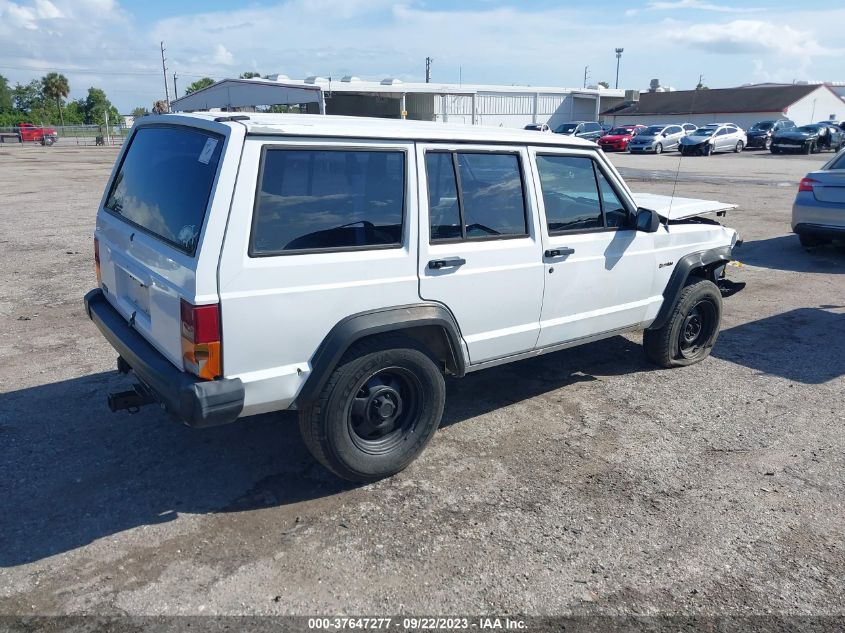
[[691, 330], [808, 241], [658, 149], [378, 410]]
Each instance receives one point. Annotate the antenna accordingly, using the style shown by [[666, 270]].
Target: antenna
[[681, 156], [428, 61]]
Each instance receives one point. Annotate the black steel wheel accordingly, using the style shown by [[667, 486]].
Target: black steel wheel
[[691, 329], [696, 329], [384, 409], [377, 411]]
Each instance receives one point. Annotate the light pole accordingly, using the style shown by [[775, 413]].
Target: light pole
[[619, 52]]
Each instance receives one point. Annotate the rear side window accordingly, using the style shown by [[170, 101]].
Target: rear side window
[[164, 183], [314, 200], [475, 195], [577, 196]]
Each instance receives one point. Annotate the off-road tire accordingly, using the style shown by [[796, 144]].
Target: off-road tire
[[662, 345], [326, 422]]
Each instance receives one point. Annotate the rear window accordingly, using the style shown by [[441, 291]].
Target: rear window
[[164, 183], [316, 200]]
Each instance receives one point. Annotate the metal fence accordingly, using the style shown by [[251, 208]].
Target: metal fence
[[83, 135]]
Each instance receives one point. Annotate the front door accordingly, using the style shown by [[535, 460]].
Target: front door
[[599, 272], [480, 246]]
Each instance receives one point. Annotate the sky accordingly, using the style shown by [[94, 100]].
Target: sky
[[114, 44]]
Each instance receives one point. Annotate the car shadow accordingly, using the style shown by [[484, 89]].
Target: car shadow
[[806, 345], [73, 472], [786, 253]]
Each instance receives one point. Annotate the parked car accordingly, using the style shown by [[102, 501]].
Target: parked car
[[760, 134], [657, 139], [818, 213], [27, 132], [715, 137], [617, 138], [253, 263], [808, 139], [538, 127], [589, 130]]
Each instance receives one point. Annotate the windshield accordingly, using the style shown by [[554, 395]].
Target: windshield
[[565, 128], [808, 129], [763, 125], [619, 131], [164, 183], [652, 130], [704, 131]]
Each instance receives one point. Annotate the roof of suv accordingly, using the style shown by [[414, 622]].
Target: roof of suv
[[366, 127]]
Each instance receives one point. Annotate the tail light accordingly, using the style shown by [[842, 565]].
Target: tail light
[[201, 340], [806, 184], [97, 261]]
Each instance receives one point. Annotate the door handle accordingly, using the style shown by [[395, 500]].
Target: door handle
[[559, 252], [451, 262]]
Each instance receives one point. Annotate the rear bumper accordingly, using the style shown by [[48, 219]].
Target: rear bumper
[[195, 402], [820, 230]]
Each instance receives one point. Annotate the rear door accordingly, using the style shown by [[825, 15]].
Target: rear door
[[161, 222], [480, 249]]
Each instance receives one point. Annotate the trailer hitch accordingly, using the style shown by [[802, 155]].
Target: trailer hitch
[[131, 400]]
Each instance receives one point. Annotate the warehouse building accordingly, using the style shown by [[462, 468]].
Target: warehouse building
[[744, 106], [501, 106]]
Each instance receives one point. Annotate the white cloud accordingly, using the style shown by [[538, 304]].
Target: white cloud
[[222, 56], [751, 36], [698, 5]]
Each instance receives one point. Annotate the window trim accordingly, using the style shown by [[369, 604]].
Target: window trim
[[459, 186], [222, 139], [596, 169], [269, 147]]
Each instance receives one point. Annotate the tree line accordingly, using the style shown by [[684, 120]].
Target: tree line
[[44, 102]]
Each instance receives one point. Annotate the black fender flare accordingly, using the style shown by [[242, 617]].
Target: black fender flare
[[363, 324], [701, 259]]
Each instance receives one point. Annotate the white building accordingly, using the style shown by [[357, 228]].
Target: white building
[[492, 105], [744, 106]]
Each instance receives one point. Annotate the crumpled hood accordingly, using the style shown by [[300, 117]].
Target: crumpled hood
[[695, 140], [677, 208]]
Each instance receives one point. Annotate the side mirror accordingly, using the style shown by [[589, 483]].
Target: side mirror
[[647, 221], [665, 133]]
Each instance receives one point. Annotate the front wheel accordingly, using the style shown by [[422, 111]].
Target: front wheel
[[378, 410], [810, 148], [48, 141], [658, 149], [707, 149], [767, 144], [738, 147], [692, 328]]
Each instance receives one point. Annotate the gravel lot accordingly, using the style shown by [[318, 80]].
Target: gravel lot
[[586, 481]]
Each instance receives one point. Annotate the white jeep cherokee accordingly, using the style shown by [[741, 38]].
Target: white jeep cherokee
[[342, 266]]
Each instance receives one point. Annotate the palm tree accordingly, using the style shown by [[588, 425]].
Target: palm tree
[[55, 86]]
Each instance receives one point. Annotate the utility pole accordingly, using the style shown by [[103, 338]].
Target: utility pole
[[586, 68], [175, 93], [619, 52], [164, 72], [428, 61]]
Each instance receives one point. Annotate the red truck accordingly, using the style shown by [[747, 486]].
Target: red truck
[[28, 132]]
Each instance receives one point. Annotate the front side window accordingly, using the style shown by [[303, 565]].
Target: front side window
[[577, 195], [475, 195], [164, 183], [313, 200]]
